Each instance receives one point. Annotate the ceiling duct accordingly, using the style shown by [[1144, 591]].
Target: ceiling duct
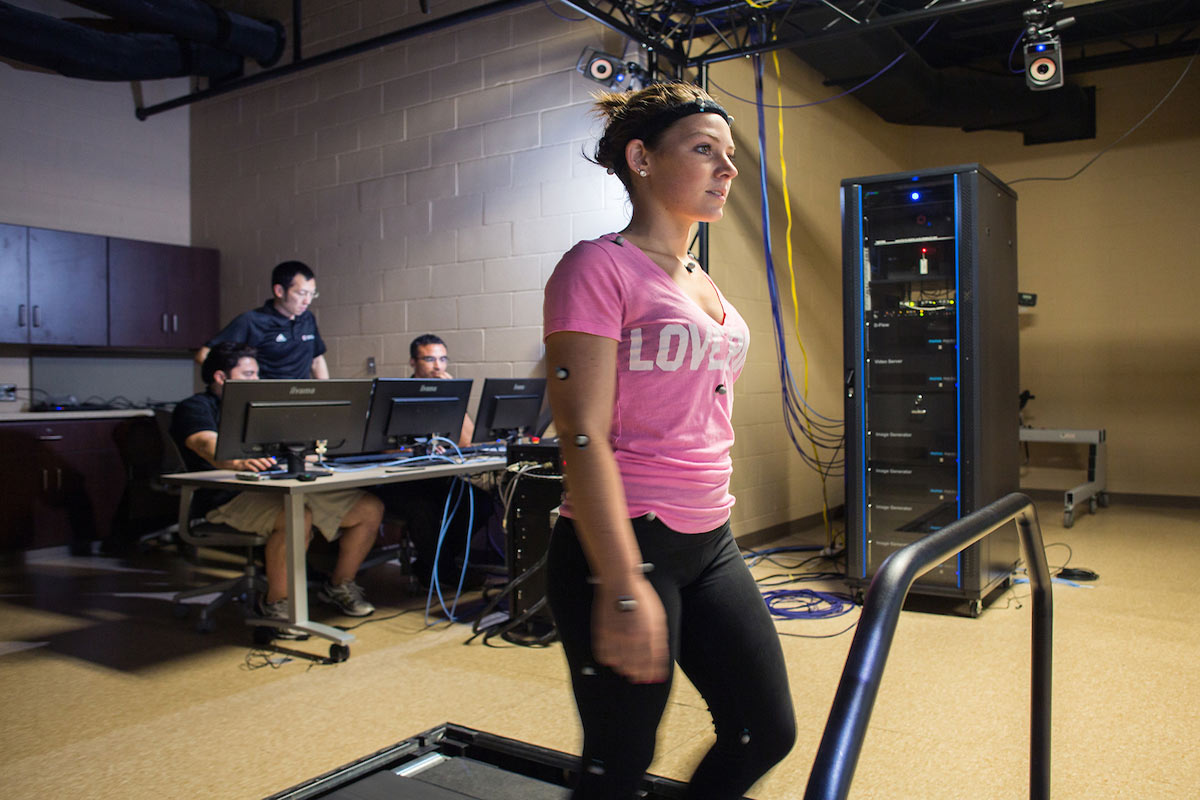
[[197, 21], [79, 51], [914, 93]]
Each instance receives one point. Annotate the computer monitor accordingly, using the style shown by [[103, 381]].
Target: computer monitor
[[286, 419], [405, 411], [508, 408]]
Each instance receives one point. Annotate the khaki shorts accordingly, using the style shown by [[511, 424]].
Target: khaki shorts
[[256, 512]]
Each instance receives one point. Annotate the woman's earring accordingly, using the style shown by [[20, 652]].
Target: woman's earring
[[642, 172]]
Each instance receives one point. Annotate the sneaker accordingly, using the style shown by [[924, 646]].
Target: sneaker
[[346, 597], [278, 610]]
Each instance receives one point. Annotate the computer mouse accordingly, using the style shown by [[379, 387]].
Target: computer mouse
[[306, 476]]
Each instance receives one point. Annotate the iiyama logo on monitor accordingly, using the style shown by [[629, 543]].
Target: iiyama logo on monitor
[[425, 387], [518, 387], [302, 390]]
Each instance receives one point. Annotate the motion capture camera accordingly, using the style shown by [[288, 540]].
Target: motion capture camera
[[1043, 48], [1043, 64], [613, 71]]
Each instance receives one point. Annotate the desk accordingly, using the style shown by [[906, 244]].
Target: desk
[[293, 492], [1094, 490]]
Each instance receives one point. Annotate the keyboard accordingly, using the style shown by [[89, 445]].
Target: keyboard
[[366, 459]]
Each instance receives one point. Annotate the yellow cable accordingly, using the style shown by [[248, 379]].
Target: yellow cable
[[787, 206]]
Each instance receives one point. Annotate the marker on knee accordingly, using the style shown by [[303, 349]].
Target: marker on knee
[[562, 373], [582, 440]]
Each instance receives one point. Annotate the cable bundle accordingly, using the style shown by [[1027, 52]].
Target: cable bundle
[[807, 603]]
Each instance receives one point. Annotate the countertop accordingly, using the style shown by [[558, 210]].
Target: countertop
[[41, 416]]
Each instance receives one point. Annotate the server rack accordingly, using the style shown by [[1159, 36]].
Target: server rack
[[930, 293]]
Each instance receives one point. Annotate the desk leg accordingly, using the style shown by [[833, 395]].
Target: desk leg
[[297, 569]]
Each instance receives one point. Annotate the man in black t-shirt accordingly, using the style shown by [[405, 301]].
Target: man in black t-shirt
[[348, 515], [283, 330]]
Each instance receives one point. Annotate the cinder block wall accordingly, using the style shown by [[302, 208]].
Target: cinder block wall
[[432, 185]]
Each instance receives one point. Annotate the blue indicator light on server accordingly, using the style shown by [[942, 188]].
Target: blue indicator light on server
[[915, 195]]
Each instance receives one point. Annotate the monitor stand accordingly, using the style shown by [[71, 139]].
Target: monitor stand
[[296, 466]]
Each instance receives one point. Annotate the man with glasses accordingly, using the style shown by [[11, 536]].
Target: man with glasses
[[282, 330], [421, 504], [429, 359]]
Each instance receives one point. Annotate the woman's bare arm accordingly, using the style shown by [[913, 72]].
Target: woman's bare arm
[[633, 643]]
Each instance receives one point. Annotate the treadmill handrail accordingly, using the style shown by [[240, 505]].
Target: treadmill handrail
[[841, 743]]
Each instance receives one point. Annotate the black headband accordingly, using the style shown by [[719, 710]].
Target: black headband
[[665, 118]]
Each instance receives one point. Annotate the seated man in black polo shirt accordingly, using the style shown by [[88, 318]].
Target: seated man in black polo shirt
[[282, 330], [349, 515]]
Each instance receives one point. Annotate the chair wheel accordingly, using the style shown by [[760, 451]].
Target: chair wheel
[[1068, 519], [339, 652]]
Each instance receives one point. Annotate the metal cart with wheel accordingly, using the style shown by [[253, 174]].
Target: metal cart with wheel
[[1094, 492]]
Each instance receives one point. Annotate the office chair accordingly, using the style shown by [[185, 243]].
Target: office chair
[[148, 508], [196, 533]]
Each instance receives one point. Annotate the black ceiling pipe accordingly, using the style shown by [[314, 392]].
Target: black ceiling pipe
[[79, 52], [200, 22]]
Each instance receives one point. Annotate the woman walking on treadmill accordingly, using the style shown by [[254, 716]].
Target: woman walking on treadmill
[[643, 350]]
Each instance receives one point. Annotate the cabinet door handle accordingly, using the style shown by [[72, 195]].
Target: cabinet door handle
[[164, 322], [50, 437], [45, 480], [21, 314], [174, 323], [59, 478], [37, 316]]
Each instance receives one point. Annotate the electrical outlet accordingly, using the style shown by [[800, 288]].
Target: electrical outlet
[[8, 393]]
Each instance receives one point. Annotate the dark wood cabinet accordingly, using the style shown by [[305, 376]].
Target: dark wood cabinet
[[68, 288], [63, 288], [161, 295], [65, 486], [14, 284]]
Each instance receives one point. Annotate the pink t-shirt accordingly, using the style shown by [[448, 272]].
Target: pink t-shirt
[[671, 423]]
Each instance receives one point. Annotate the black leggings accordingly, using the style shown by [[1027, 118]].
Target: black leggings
[[720, 635]]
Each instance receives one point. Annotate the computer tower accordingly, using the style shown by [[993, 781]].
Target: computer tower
[[531, 515], [931, 380]]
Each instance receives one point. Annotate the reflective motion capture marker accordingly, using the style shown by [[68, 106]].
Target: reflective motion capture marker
[[721, 388], [582, 440], [562, 373]]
